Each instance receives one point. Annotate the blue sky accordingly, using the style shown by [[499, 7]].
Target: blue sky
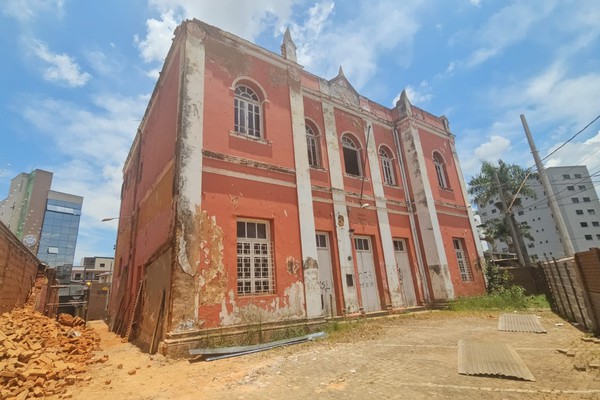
[[77, 76]]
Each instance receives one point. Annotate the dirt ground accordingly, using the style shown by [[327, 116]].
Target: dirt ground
[[402, 357]]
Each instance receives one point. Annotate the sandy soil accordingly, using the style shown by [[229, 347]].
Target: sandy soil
[[410, 356]]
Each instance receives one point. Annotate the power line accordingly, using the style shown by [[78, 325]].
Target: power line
[[571, 138], [505, 184], [546, 198]]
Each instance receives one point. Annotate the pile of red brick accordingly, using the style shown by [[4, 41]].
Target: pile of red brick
[[42, 357]]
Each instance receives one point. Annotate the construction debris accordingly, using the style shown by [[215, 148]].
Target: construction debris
[[40, 356]]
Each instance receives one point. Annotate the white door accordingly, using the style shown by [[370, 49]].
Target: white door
[[404, 272], [366, 274], [325, 275]]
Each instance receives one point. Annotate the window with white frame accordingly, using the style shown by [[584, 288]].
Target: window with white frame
[[387, 166], [254, 258], [462, 259], [313, 147], [352, 163], [248, 114], [440, 170]]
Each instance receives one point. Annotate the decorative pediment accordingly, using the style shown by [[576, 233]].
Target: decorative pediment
[[341, 88]]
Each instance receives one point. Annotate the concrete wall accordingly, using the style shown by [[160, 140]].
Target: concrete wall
[[18, 268], [98, 300]]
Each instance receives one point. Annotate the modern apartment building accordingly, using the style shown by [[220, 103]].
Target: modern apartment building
[[257, 195], [577, 199], [46, 221], [92, 269]]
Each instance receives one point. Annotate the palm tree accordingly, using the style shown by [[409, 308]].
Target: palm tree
[[511, 178], [497, 229]]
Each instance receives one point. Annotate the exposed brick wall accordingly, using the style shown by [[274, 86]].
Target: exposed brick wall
[[18, 267]]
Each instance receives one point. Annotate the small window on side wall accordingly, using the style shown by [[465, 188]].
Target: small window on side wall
[[248, 112], [387, 165], [463, 260], [440, 170], [313, 146], [352, 159]]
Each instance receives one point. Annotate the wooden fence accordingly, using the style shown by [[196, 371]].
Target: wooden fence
[[573, 287]]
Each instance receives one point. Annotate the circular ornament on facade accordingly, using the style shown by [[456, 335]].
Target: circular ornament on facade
[[29, 240]]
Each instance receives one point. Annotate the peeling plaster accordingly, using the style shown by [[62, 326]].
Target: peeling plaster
[[290, 306], [310, 263], [204, 278]]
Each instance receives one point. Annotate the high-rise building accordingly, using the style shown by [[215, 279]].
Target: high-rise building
[[578, 202], [46, 221], [23, 209]]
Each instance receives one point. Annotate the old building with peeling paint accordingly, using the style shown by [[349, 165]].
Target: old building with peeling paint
[[257, 194]]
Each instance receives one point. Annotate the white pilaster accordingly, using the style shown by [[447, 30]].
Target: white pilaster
[[339, 206], [189, 161], [385, 231], [305, 205], [429, 226], [463, 188]]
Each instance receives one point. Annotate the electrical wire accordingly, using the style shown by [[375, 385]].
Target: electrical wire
[[505, 184]]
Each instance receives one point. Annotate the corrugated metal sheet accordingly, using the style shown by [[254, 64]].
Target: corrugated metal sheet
[[520, 323], [489, 358]]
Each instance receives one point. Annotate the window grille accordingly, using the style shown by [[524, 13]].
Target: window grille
[[254, 258]]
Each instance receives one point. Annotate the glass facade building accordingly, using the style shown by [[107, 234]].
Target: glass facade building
[[59, 231]]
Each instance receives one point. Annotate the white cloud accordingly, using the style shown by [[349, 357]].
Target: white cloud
[[421, 94], [61, 68], [103, 64], [159, 34], [243, 18], [476, 3], [585, 152], [376, 28], [29, 10], [506, 27], [554, 97], [492, 149], [93, 142]]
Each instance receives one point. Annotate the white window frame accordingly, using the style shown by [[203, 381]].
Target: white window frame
[[462, 259], [255, 271], [350, 144], [247, 109], [313, 146], [440, 170], [387, 165]]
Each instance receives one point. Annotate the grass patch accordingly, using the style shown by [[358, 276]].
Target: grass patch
[[512, 299]]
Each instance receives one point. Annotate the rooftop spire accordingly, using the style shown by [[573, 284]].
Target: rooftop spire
[[288, 47], [403, 104]]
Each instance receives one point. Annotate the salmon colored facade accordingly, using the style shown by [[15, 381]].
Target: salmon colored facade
[[258, 194]]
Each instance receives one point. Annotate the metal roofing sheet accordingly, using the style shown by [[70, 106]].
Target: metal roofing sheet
[[489, 358], [520, 323]]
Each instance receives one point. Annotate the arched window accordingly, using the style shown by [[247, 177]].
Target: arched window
[[440, 170], [387, 166], [248, 112], [351, 156], [313, 146]]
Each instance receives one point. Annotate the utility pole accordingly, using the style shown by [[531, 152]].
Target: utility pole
[[558, 219], [509, 221]]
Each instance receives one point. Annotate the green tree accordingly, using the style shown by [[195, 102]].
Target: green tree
[[497, 229], [512, 178]]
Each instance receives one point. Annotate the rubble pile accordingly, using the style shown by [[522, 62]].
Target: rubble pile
[[42, 357]]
